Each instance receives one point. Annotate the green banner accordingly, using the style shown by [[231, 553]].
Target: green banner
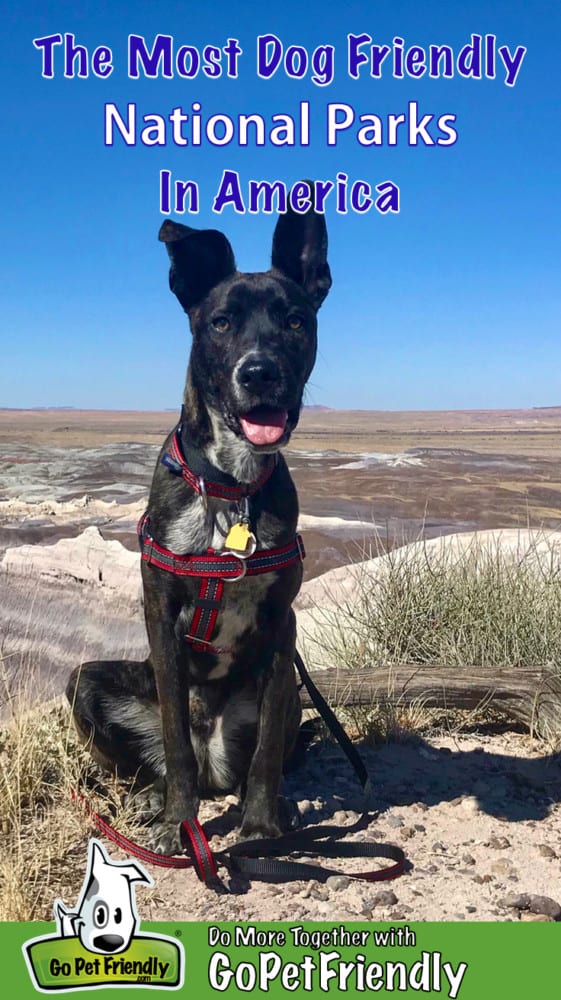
[[471, 961]]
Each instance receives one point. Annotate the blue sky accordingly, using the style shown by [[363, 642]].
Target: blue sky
[[455, 302]]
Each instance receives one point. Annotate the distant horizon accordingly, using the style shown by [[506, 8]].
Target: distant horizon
[[315, 408]]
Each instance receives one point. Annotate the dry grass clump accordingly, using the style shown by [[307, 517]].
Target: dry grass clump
[[477, 605], [43, 832], [480, 605]]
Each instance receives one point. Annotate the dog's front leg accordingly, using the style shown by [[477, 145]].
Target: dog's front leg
[[260, 810], [172, 681]]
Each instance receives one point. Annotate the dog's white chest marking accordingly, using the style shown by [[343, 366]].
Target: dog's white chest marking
[[216, 757], [196, 529]]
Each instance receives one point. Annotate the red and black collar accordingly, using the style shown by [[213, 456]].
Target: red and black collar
[[222, 486]]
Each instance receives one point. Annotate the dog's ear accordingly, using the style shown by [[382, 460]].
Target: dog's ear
[[300, 251], [200, 259]]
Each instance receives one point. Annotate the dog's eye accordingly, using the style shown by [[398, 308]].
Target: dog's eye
[[118, 915], [295, 322], [221, 324], [100, 915]]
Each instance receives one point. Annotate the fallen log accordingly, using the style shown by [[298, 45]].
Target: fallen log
[[531, 695]]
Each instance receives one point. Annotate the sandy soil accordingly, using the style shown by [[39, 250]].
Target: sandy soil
[[478, 816]]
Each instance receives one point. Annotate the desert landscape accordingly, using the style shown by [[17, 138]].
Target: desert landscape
[[475, 802]]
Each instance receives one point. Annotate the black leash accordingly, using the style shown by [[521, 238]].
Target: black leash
[[252, 857], [331, 720]]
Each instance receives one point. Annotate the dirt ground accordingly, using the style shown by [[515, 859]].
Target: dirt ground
[[535, 431], [478, 815]]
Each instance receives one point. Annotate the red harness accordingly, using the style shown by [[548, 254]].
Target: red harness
[[215, 569]]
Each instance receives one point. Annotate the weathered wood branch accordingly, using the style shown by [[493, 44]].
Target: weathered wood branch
[[531, 695]]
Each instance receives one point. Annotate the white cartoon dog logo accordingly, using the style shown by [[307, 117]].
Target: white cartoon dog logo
[[105, 917]]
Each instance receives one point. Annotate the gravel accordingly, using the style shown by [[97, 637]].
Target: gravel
[[470, 857]]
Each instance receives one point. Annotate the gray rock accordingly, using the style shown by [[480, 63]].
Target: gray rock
[[394, 821], [515, 900], [498, 843], [470, 805], [340, 817], [88, 558], [336, 882], [503, 866], [545, 905], [320, 892], [546, 851], [385, 898]]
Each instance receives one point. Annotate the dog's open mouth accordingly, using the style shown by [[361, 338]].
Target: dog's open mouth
[[264, 425]]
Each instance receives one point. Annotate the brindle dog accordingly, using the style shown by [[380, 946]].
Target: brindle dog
[[227, 718]]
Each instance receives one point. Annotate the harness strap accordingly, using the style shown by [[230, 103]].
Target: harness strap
[[214, 569], [225, 566], [204, 618]]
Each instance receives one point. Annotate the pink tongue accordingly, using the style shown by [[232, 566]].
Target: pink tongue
[[264, 425]]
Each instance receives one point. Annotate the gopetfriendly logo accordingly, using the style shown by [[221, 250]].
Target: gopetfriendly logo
[[96, 944]]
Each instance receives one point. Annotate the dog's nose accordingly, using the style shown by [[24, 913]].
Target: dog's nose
[[108, 942], [258, 373]]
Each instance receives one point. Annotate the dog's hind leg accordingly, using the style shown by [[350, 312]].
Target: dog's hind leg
[[115, 708]]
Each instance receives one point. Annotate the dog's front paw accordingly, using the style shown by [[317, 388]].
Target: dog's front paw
[[260, 831], [147, 803], [164, 837], [257, 826]]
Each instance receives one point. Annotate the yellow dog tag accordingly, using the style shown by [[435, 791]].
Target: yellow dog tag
[[240, 539]]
